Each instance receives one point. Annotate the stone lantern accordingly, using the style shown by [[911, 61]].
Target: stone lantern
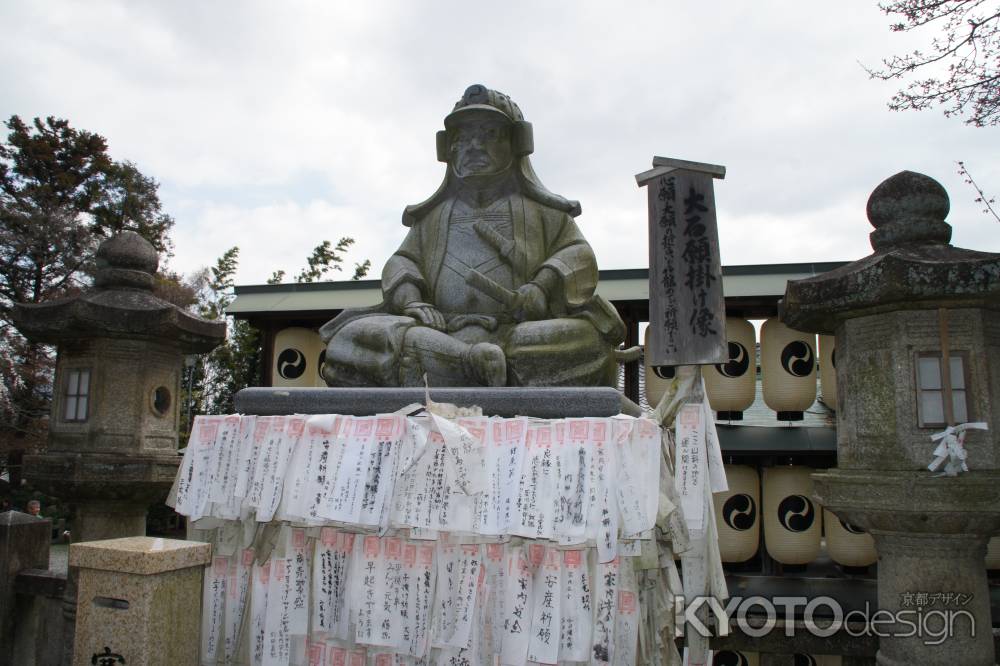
[[112, 447], [917, 327]]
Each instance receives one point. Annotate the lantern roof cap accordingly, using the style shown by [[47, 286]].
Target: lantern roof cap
[[913, 265], [120, 304], [126, 260]]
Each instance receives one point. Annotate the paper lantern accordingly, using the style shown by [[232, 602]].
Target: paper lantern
[[657, 379], [828, 370], [296, 362], [735, 658], [993, 554], [848, 545], [731, 385], [792, 520], [737, 514], [788, 366]]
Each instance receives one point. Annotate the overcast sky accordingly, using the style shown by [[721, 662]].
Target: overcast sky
[[276, 125]]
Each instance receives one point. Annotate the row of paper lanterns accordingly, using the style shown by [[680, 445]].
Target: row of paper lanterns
[[793, 522], [788, 370], [787, 364]]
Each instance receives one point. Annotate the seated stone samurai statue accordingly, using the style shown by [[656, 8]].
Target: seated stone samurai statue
[[493, 284]]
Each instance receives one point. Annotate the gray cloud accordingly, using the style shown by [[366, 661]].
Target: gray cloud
[[276, 125]]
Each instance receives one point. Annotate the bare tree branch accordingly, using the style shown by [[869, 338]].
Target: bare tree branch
[[982, 198], [962, 65]]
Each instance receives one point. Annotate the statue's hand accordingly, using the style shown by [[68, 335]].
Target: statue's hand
[[426, 314], [529, 303]]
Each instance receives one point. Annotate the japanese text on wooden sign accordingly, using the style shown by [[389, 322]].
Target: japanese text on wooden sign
[[686, 306]]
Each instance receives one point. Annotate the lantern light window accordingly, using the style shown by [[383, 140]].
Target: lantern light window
[[77, 398], [930, 389]]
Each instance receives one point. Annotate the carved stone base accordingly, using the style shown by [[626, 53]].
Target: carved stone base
[[930, 534], [139, 479], [111, 492]]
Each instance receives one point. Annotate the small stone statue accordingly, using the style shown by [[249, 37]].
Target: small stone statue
[[493, 284]]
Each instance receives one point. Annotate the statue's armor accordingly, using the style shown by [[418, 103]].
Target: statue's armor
[[467, 249]]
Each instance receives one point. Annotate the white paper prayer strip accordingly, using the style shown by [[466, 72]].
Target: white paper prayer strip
[[690, 470], [212, 615]]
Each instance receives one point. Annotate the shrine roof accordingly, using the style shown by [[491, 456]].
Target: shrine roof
[[617, 285]]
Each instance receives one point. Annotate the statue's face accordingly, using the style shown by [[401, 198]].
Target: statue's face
[[480, 146]]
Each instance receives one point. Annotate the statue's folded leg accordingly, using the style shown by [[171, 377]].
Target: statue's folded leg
[[390, 350], [448, 361], [366, 351], [559, 352]]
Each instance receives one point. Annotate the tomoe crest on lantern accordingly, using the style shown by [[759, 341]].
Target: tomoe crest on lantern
[[797, 358], [796, 513], [739, 512], [291, 363], [738, 363]]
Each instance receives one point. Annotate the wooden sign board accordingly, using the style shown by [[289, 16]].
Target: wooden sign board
[[687, 312]]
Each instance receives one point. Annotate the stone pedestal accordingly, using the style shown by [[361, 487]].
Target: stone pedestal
[[544, 402], [934, 564], [930, 534], [139, 599]]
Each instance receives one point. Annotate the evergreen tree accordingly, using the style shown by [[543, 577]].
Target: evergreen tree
[[60, 195]]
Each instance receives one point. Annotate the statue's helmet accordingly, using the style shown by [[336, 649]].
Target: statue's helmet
[[477, 99]]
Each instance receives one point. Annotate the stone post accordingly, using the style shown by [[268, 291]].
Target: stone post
[[24, 544], [138, 600], [917, 328]]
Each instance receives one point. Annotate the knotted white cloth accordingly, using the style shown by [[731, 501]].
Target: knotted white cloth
[[951, 448]]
